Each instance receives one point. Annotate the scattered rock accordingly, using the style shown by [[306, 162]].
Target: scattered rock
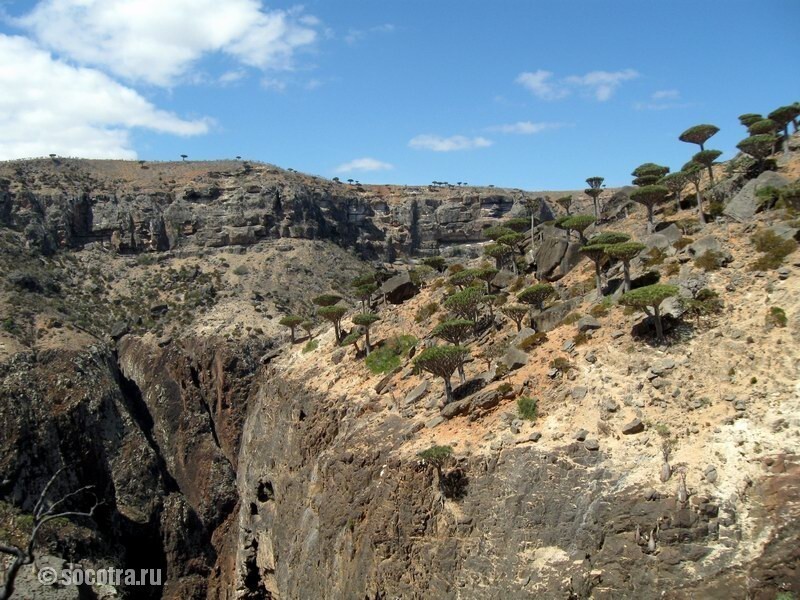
[[591, 357], [514, 358], [710, 474], [581, 434], [535, 436], [523, 334], [588, 323], [417, 393], [635, 426], [434, 422], [118, 330], [610, 405], [660, 366], [579, 392], [592, 445], [453, 409]]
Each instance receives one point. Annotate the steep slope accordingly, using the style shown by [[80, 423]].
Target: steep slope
[[141, 346]]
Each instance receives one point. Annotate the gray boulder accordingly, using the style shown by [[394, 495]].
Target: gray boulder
[[744, 205], [399, 288], [523, 334], [415, 394], [587, 323], [635, 426], [514, 358], [547, 320], [503, 279]]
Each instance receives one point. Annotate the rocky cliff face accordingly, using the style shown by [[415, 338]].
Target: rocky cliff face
[[140, 346], [241, 205]]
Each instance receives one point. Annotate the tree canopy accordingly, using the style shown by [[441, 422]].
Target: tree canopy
[[536, 294], [649, 196], [326, 299], [698, 134], [648, 174], [454, 331], [465, 303]]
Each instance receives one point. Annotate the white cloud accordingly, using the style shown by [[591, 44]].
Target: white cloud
[[157, 41], [229, 77], [448, 144], [48, 106], [540, 84], [355, 35], [666, 95], [363, 164], [662, 100], [601, 84], [271, 83], [525, 127]]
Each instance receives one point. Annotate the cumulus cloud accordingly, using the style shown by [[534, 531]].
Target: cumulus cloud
[[363, 164], [448, 144], [157, 41], [540, 84], [662, 100], [525, 127], [600, 84], [49, 106], [356, 35], [666, 95]]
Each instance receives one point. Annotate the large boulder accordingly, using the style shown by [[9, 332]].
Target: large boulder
[[514, 358], [503, 279], [555, 256], [399, 288], [547, 320], [744, 205]]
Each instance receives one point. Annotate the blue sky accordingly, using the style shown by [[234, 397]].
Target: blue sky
[[530, 94]]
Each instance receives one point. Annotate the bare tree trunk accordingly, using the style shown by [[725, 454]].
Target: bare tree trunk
[[711, 175], [366, 341], [448, 391], [650, 225], [786, 139], [461, 375], [701, 216], [626, 270], [598, 279], [659, 327], [677, 201]]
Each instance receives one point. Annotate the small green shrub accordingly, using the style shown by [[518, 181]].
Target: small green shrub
[[532, 341], [241, 270], [683, 242], [426, 311], [504, 388], [654, 257], [767, 197], [571, 319], [388, 357], [600, 310], [776, 317], [146, 259], [310, 346], [716, 209], [672, 269], [526, 406], [561, 364], [753, 380], [710, 260], [580, 338], [774, 248]]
